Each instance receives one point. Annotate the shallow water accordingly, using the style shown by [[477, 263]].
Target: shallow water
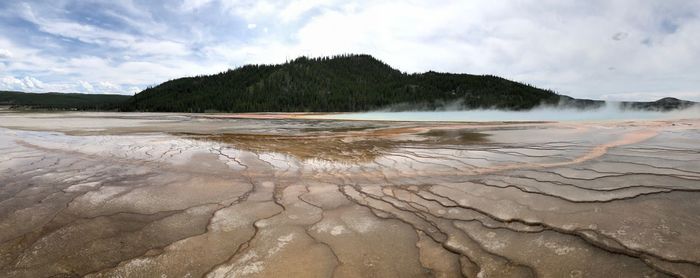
[[545, 114]]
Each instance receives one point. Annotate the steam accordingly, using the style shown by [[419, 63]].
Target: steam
[[564, 111]]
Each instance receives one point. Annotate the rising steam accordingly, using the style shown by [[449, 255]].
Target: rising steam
[[564, 111]]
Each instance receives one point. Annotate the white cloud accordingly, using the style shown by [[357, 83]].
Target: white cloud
[[189, 5], [31, 84], [161, 47], [86, 86], [27, 83], [295, 9], [104, 37], [5, 54], [133, 90], [73, 30], [592, 49], [250, 9], [11, 83], [566, 47], [102, 87], [108, 86]]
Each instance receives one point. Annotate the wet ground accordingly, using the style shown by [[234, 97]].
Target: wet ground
[[171, 195]]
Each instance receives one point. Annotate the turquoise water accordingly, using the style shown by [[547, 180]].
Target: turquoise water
[[609, 112]]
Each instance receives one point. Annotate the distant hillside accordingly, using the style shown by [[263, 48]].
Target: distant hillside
[[339, 84], [346, 83], [664, 104], [61, 101]]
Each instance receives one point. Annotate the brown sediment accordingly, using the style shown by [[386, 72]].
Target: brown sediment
[[331, 148], [317, 199], [343, 144], [456, 136]]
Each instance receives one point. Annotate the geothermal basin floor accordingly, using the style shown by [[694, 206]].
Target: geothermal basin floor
[[180, 195]]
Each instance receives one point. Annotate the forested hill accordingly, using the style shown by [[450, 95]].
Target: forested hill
[[62, 101], [338, 84]]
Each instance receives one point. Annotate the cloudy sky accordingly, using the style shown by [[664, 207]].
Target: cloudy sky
[[615, 50]]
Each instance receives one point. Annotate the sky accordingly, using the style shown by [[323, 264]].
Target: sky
[[600, 49]]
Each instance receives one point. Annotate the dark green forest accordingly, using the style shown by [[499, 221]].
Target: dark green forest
[[664, 104], [62, 101], [345, 83], [338, 84]]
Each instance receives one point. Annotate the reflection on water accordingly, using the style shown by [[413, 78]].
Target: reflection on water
[[609, 112]]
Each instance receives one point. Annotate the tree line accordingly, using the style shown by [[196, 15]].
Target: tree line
[[340, 83]]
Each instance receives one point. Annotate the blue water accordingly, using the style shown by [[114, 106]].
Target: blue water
[[609, 112]]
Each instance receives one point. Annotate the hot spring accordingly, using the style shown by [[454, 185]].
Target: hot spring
[[609, 112]]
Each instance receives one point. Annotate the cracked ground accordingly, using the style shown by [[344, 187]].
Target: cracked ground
[[174, 195]]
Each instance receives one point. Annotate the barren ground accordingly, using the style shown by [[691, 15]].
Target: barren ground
[[177, 195]]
